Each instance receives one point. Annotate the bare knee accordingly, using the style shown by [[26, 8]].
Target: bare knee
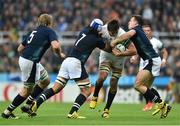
[[44, 83], [137, 85], [25, 91], [101, 78], [85, 91], [57, 87]]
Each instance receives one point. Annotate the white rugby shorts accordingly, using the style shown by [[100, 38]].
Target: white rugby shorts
[[71, 68], [153, 65], [31, 71], [117, 62]]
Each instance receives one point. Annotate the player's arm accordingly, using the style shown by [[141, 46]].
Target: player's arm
[[164, 57], [56, 47], [20, 48], [123, 37], [23, 44]]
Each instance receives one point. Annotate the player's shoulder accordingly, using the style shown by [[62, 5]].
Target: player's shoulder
[[121, 31], [154, 39], [46, 29]]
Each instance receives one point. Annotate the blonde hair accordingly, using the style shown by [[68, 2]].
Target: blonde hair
[[45, 20]]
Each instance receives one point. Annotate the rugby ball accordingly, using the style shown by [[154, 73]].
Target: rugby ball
[[120, 47]]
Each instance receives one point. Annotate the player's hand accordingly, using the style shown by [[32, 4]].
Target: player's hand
[[116, 52], [133, 60], [113, 43], [163, 63]]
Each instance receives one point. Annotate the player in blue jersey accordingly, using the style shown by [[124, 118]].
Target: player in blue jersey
[[73, 67], [152, 62], [34, 76]]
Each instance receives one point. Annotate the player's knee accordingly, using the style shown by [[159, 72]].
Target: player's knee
[[25, 91], [44, 83], [85, 91], [137, 85], [102, 77], [57, 87]]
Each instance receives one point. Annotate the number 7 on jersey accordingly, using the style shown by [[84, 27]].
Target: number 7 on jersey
[[83, 35]]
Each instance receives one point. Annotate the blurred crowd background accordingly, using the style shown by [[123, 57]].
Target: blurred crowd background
[[72, 15]]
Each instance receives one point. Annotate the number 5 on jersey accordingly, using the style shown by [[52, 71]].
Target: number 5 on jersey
[[83, 35], [31, 36]]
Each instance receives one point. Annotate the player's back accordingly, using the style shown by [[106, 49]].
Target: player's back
[[86, 42], [37, 42], [143, 45]]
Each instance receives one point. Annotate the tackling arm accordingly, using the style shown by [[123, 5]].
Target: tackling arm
[[130, 51], [123, 37]]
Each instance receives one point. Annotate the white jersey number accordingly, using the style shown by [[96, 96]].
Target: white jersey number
[[31, 36], [83, 35]]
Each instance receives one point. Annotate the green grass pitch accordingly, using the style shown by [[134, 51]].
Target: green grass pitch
[[121, 114]]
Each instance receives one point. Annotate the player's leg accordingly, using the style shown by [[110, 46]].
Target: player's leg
[[142, 78], [141, 85], [84, 86], [103, 73], [149, 103], [18, 100], [59, 84], [37, 90], [28, 69], [116, 73]]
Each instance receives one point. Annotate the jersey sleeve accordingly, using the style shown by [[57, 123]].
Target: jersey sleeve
[[160, 45], [120, 32], [52, 36], [100, 43]]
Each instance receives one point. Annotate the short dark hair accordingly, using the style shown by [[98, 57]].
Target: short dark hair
[[146, 23], [139, 19], [113, 25]]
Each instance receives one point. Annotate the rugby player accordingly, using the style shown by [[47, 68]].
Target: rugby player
[[152, 63], [158, 46], [110, 63], [34, 76], [73, 67]]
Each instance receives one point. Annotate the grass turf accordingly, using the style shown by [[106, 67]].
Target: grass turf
[[121, 114]]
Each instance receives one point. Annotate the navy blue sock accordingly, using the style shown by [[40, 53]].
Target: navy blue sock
[[97, 89], [155, 92], [77, 104], [149, 94], [44, 96], [110, 99], [16, 102], [36, 92]]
